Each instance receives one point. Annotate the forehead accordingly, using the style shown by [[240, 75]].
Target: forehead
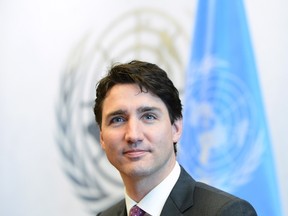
[[130, 95]]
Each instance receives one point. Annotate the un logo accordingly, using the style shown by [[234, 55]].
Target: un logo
[[226, 137], [144, 34]]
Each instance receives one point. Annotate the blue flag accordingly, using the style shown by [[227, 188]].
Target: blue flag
[[225, 141]]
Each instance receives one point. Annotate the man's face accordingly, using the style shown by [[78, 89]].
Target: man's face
[[137, 134]]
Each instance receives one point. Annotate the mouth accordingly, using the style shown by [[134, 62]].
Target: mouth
[[135, 153]]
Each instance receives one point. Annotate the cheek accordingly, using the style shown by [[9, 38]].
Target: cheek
[[162, 138], [109, 141]]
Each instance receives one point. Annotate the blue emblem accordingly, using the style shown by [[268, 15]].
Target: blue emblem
[[226, 140]]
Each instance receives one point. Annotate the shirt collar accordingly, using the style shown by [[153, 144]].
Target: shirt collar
[[154, 201]]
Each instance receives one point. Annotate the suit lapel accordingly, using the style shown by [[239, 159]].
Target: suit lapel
[[123, 212], [181, 196], [120, 209]]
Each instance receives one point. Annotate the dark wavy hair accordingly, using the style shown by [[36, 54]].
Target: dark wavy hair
[[149, 77]]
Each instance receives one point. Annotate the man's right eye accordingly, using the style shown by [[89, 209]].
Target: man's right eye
[[116, 120]]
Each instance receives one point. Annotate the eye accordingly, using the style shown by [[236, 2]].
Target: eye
[[117, 120], [149, 116]]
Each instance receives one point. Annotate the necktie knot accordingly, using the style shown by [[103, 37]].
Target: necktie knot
[[136, 211]]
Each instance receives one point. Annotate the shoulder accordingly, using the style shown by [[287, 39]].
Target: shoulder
[[117, 209], [210, 192], [201, 199], [221, 202]]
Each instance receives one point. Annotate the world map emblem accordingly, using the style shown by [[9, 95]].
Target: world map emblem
[[224, 132], [145, 34]]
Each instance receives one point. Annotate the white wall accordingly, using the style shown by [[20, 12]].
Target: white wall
[[36, 38], [268, 23]]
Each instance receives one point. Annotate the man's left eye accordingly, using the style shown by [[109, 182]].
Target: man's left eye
[[149, 116]]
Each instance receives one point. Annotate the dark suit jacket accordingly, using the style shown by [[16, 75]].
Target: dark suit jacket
[[189, 197]]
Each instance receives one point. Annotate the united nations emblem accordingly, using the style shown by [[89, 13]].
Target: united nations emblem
[[224, 132], [144, 34]]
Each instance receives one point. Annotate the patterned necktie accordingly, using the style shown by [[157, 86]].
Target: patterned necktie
[[136, 211]]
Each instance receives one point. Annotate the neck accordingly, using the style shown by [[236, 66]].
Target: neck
[[138, 187]]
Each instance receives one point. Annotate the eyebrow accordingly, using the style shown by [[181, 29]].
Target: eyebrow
[[147, 109], [117, 112], [141, 109]]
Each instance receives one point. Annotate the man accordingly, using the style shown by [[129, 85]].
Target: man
[[139, 113]]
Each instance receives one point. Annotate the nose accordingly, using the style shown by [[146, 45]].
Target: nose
[[134, 133]]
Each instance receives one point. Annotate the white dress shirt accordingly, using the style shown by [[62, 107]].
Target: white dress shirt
[[154, 201]]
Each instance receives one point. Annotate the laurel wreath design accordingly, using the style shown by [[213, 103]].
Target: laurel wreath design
[[84, 162], [79, 164]]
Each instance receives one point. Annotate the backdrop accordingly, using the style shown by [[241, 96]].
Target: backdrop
[[51, 55]]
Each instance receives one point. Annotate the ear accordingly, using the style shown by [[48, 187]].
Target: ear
[[102, 141], [177, 127]]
